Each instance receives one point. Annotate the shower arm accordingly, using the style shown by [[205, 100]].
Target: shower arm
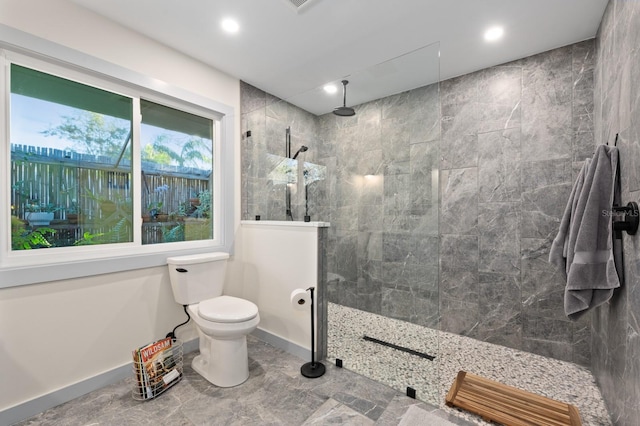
[[344, 93]]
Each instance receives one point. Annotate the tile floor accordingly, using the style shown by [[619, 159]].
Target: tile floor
[[274, 394], [277, 394], [563, 381]]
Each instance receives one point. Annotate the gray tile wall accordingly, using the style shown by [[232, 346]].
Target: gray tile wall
[[443, 200], [383, 252], [511, 135], [616, 325]]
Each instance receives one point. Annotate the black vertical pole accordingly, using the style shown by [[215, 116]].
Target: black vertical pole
[[313, 329], [307, 218], [312, 369], [287, 149]]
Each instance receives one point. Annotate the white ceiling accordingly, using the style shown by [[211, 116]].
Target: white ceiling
[[290, 52]]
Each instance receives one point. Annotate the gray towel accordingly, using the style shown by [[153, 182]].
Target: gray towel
[[583, 249]]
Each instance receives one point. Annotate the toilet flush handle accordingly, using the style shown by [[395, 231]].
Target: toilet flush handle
[[181, 270]]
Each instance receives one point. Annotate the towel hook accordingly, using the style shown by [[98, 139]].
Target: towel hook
[[631, 219]]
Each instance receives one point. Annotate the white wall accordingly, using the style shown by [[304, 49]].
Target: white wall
[[55, 334], [279, 257]]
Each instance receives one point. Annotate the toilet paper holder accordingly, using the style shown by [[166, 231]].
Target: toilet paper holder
[[300, 299]]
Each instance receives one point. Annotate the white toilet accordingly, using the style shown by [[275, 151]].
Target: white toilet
[[223, 322]]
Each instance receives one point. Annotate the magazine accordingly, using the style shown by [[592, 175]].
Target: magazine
[[155, 368]]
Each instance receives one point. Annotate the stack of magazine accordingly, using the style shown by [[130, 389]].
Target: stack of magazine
[[157, 367]]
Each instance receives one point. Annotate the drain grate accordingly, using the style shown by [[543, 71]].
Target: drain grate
[[400, 348]]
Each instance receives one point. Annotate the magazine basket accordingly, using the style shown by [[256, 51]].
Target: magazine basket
[[155, 376]]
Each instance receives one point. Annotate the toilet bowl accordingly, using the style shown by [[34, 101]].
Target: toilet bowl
[[223, 324]]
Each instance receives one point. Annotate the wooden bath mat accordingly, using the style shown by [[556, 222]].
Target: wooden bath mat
[[508, 405]]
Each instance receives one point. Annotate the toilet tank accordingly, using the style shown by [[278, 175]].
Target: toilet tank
[[197, 277]]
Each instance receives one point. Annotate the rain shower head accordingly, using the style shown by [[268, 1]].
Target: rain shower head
[[302, 149], [344, 110]]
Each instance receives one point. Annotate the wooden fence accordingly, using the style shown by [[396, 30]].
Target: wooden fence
[[69, 182]]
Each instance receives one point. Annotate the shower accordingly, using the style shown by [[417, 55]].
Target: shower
[[344, 110]]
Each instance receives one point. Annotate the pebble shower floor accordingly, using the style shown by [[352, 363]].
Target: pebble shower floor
[[563, 381]]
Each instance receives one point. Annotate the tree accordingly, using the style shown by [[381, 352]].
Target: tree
[[93, 133], [192, 151], [97, 134], [157, 153]]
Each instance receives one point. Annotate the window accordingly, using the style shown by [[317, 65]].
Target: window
[[176, 152], [101, 169], [70, 163]]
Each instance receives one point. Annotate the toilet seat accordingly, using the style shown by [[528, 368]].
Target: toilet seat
[[227, 309]]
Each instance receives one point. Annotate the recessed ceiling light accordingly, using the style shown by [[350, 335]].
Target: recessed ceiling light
[[330, 88], [230, 25], [493, 33]]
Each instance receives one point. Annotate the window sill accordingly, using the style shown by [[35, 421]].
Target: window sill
[[35, 274]]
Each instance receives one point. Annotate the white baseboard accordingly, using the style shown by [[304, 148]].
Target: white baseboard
[[35, 406], [282, 343]]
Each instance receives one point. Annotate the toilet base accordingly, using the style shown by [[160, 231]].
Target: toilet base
[[224, 363]]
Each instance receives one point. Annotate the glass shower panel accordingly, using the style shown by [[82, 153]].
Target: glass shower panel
[[315, 191], [375, 177], [278, 137], [384, 243], [268, 173]]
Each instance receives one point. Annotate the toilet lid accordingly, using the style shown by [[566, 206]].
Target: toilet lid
[[227, 309]]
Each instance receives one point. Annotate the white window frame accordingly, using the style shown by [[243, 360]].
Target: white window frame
[[21, 267]]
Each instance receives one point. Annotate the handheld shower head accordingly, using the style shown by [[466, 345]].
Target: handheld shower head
[[302, 149]]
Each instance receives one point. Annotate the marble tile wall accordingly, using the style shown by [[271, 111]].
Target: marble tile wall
[[384, 215], [616, 325], [511, 137], [444, 200]]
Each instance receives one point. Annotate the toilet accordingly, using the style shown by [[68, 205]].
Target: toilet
[[223, 322]]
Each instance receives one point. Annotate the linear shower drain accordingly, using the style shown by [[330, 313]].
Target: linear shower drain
[[400, 348]]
